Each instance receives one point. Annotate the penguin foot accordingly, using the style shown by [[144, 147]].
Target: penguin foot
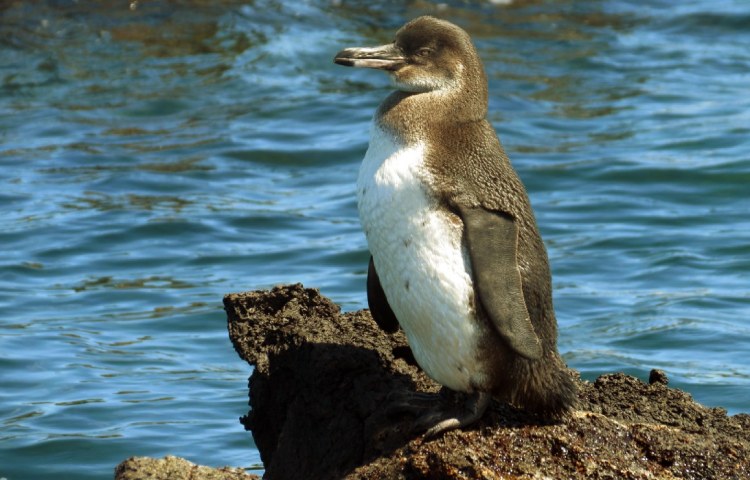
[[475, 407], [412, 403], [439, 416]]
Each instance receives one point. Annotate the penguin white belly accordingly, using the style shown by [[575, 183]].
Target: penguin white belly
[[423, 268]]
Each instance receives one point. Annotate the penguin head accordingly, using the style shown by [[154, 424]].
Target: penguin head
[[427, 54]]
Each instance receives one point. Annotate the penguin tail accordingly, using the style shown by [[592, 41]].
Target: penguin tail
[[550, 394]]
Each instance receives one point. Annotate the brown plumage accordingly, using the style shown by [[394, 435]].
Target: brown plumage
[[442, 101]]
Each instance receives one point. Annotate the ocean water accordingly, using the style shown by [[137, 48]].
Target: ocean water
[[157, 155]]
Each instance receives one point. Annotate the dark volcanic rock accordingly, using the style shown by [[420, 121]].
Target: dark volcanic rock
[[320, 394]]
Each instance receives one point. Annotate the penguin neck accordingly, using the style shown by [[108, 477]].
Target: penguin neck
[[411, 116]]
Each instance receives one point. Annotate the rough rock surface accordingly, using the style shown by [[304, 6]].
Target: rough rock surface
[[175, 468], [319, 401]]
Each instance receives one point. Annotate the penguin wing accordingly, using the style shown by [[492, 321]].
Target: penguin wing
[[379, 307], [492, 242]]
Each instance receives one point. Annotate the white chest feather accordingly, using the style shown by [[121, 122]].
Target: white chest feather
[[419, 257]]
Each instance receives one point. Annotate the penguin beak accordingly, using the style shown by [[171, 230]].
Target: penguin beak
[[385, 57]]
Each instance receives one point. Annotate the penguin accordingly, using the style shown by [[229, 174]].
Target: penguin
[[457, 260]]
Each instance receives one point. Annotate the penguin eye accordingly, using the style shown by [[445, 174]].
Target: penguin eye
[[424, 52]]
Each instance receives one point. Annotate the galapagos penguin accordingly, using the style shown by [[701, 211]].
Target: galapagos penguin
[[456, 256]]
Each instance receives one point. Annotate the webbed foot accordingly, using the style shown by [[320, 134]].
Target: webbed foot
[[434, 415]]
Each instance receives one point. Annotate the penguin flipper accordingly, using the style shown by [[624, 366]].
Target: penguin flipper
[[379, 307], [492, 242]]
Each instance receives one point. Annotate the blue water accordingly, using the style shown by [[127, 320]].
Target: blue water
[[157, 155]]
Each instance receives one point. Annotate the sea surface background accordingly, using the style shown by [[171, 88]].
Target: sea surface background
[[157, 155]]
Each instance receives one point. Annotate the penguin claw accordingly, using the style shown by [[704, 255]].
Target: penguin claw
[[476, 405], [442, 426]]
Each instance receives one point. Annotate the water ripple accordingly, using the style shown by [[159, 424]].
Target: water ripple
[[156, 158]]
